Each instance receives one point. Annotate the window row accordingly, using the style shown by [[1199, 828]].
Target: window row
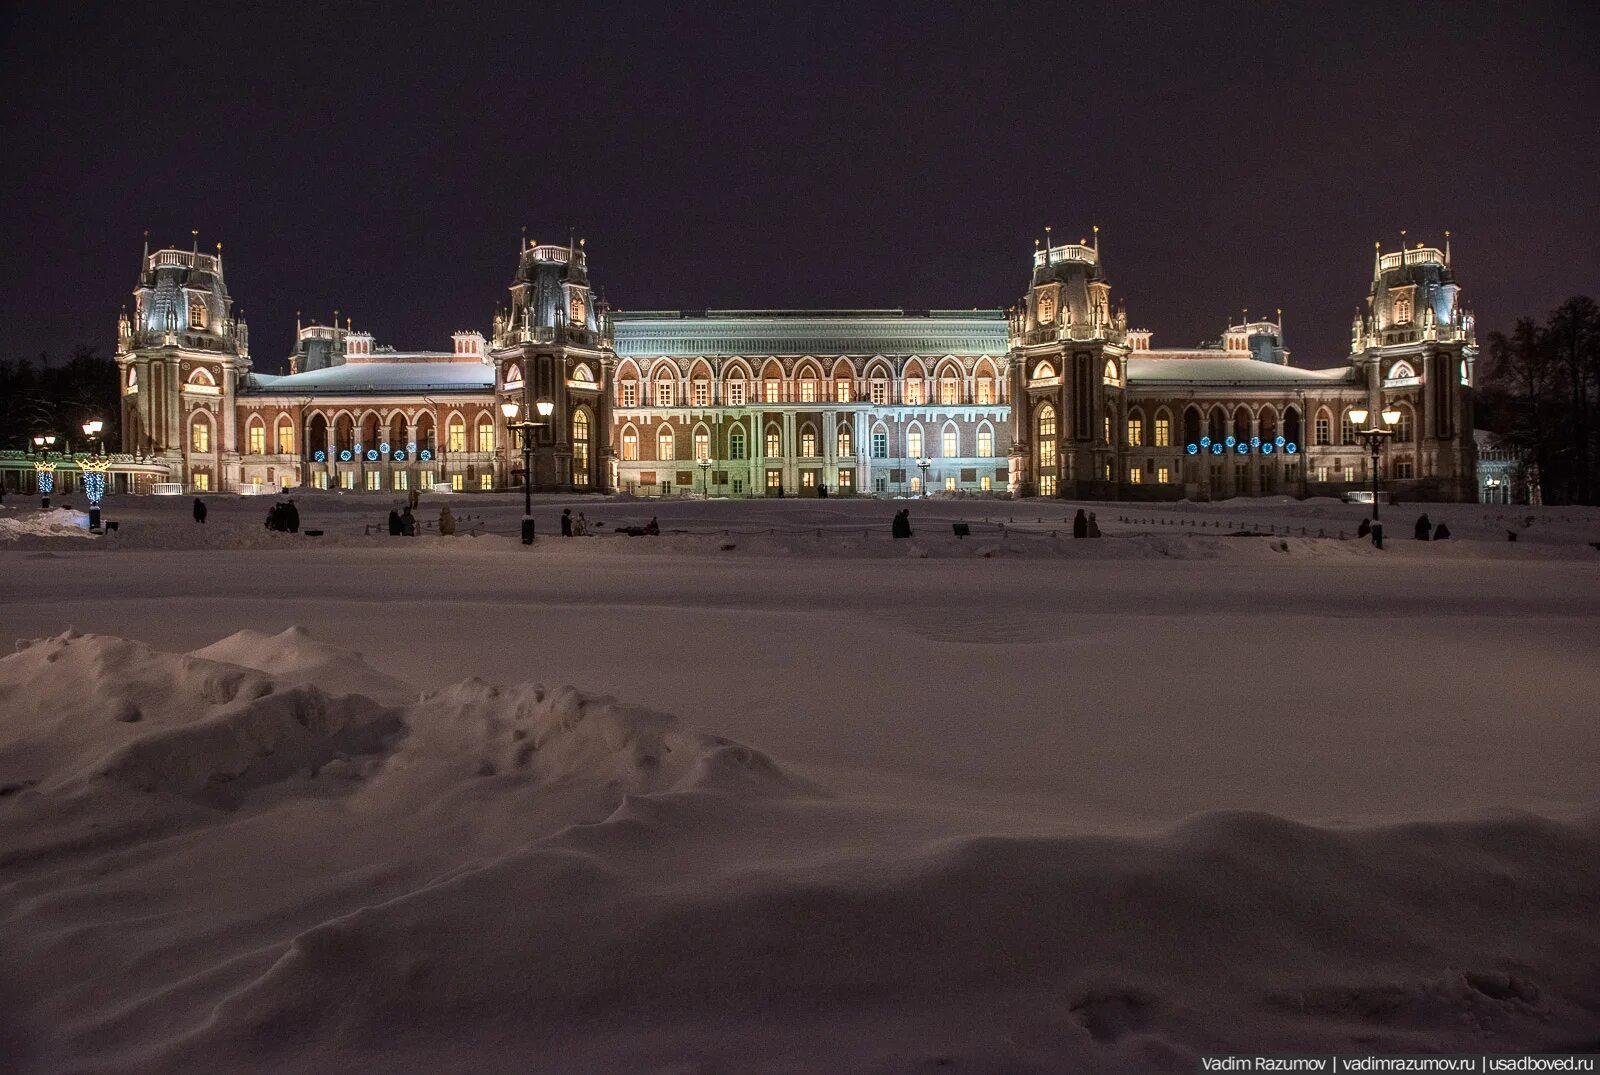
[[666, 443], [667, 391]]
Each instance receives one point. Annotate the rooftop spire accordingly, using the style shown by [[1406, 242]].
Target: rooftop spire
[[1097, 240], [195, 233], [1377, 258], [1447, 246]]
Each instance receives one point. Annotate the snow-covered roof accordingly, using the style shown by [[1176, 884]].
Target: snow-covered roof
[[380, 377], [1227, 371]]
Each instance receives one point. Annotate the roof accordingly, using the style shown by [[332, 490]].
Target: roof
[[380, 377], [1231, 372], [810, 332]]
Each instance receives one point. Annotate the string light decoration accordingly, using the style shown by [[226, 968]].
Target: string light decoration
[[45, 473], [94, 478]]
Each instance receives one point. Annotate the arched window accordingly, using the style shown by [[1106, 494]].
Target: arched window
[[1043, 371], [456, 434], [1324, 427], [914, 441], [1046, 421], [985, 441], [1111, 376], [808, 385], [665, 448], [774, 442], [513, 377], [627, 386], [580, 446], [399, 434], [913, 390], [284, 435], [1241, 426], [1402, 309], [630, 444], [808, 441], [1217, 427], [582, 373], [202, 376], [1402, 371], [1291, 426], [735, 377], [199, 313], [1403, 432], [133, 377], [317, 434], [1163, 429], [485, 433], [425, 436], [665, 385], [951, 446], [772, 383], [1136, 428], [1267, 423], [1191, 426], [845, 448], [736, 443], [369, 432], [200, 433], [702, 443], [1347, 428], [880, 441], [256, 436], [949, 390], [344, 429]]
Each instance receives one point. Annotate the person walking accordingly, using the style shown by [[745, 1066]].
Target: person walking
[[566, 522], [199, 510], [1080, 524], [898, 528], [394, 521], [581, 527], [291, 515], [408, 523], [447, 521], [415, 498], [1094, 527], [1423, 529]]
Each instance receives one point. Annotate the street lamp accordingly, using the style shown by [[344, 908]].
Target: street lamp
[[924, 463], [44, 469], [95, 469], [1374, 439], [705, 477], [524, 430]]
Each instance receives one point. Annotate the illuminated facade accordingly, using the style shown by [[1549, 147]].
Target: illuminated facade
[[1057, 396]]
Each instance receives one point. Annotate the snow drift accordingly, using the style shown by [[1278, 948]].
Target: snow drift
[[267, 856]]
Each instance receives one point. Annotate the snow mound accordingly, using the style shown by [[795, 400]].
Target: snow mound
[[85, 707], [58, 522], [294, 656]]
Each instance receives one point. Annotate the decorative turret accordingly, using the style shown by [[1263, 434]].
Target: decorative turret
[[551, 300], [1069, 296], [1413, 292]]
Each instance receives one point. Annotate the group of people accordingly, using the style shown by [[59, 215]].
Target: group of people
[[1420, 531], [284, 517], [578, 527], [1085, 526]]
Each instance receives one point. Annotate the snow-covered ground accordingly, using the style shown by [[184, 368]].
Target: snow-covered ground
[[818, 801]]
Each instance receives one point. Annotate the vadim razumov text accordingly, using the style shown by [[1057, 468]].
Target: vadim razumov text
[[1467, 1064]]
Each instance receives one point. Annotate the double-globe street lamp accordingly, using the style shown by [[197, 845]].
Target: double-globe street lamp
[[524, 430], [1374, 439], [926, 464], [96, 467], [44, 469], [705, 477]]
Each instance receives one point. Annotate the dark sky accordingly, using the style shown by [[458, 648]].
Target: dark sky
[[383, 160]]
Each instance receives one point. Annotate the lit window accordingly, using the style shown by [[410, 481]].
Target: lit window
[[841, 391], [984, 483], [1163, 475], [286, 440], [1135, 432], [630, 445], [880, 393], [630, 393], [1349, 474], [1402, 309], [916, 485], [736, 393], [258, 439], [844, 445], [400, 481], [347, 480], [702, 393], [808, 479], [808, 442], [985, 392], [880, 445], [200, 436], [665, 448], [774, 444], [485, 435], [1403, 431], [1135, 476], [949, 391], [199, 314], [457, 482], [985, 443], [580, 447], [770, 391], [456, 435], [914, 441], [808, 391], [1163, 432], [202, 482], [914, 391], [1047, 421], [952, 443], [374, 480], [1107, 429], [1047, 485], [702, 444], [663, 393], [486, 482], [1047, 439], [774, 479], [950, 485]]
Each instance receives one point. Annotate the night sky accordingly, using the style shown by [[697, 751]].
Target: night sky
[[383, 161]]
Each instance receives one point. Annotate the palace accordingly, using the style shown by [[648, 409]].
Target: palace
[[1054, 397]]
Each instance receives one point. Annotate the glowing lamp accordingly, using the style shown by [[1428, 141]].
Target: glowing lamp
[[1358, 416], [545, 408], [510, 408], [1391, 416]]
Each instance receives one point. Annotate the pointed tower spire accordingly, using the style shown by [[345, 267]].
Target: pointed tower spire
[[1097, 241], [1447, 246], [219, 256], [146, 246], [195, 234], [524, 245], [1377, 258], [1047, 244]]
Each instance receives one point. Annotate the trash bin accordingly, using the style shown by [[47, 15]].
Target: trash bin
[[527, 531]]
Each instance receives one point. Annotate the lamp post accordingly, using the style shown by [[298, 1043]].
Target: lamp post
[[44, 469], [524, 429], [95, 470], [1374, 439], [924, 463], [705, 477]]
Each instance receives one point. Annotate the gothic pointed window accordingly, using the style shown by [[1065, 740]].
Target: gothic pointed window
[[1402, 309], [199, 313], [844, 446], [580, 447]]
